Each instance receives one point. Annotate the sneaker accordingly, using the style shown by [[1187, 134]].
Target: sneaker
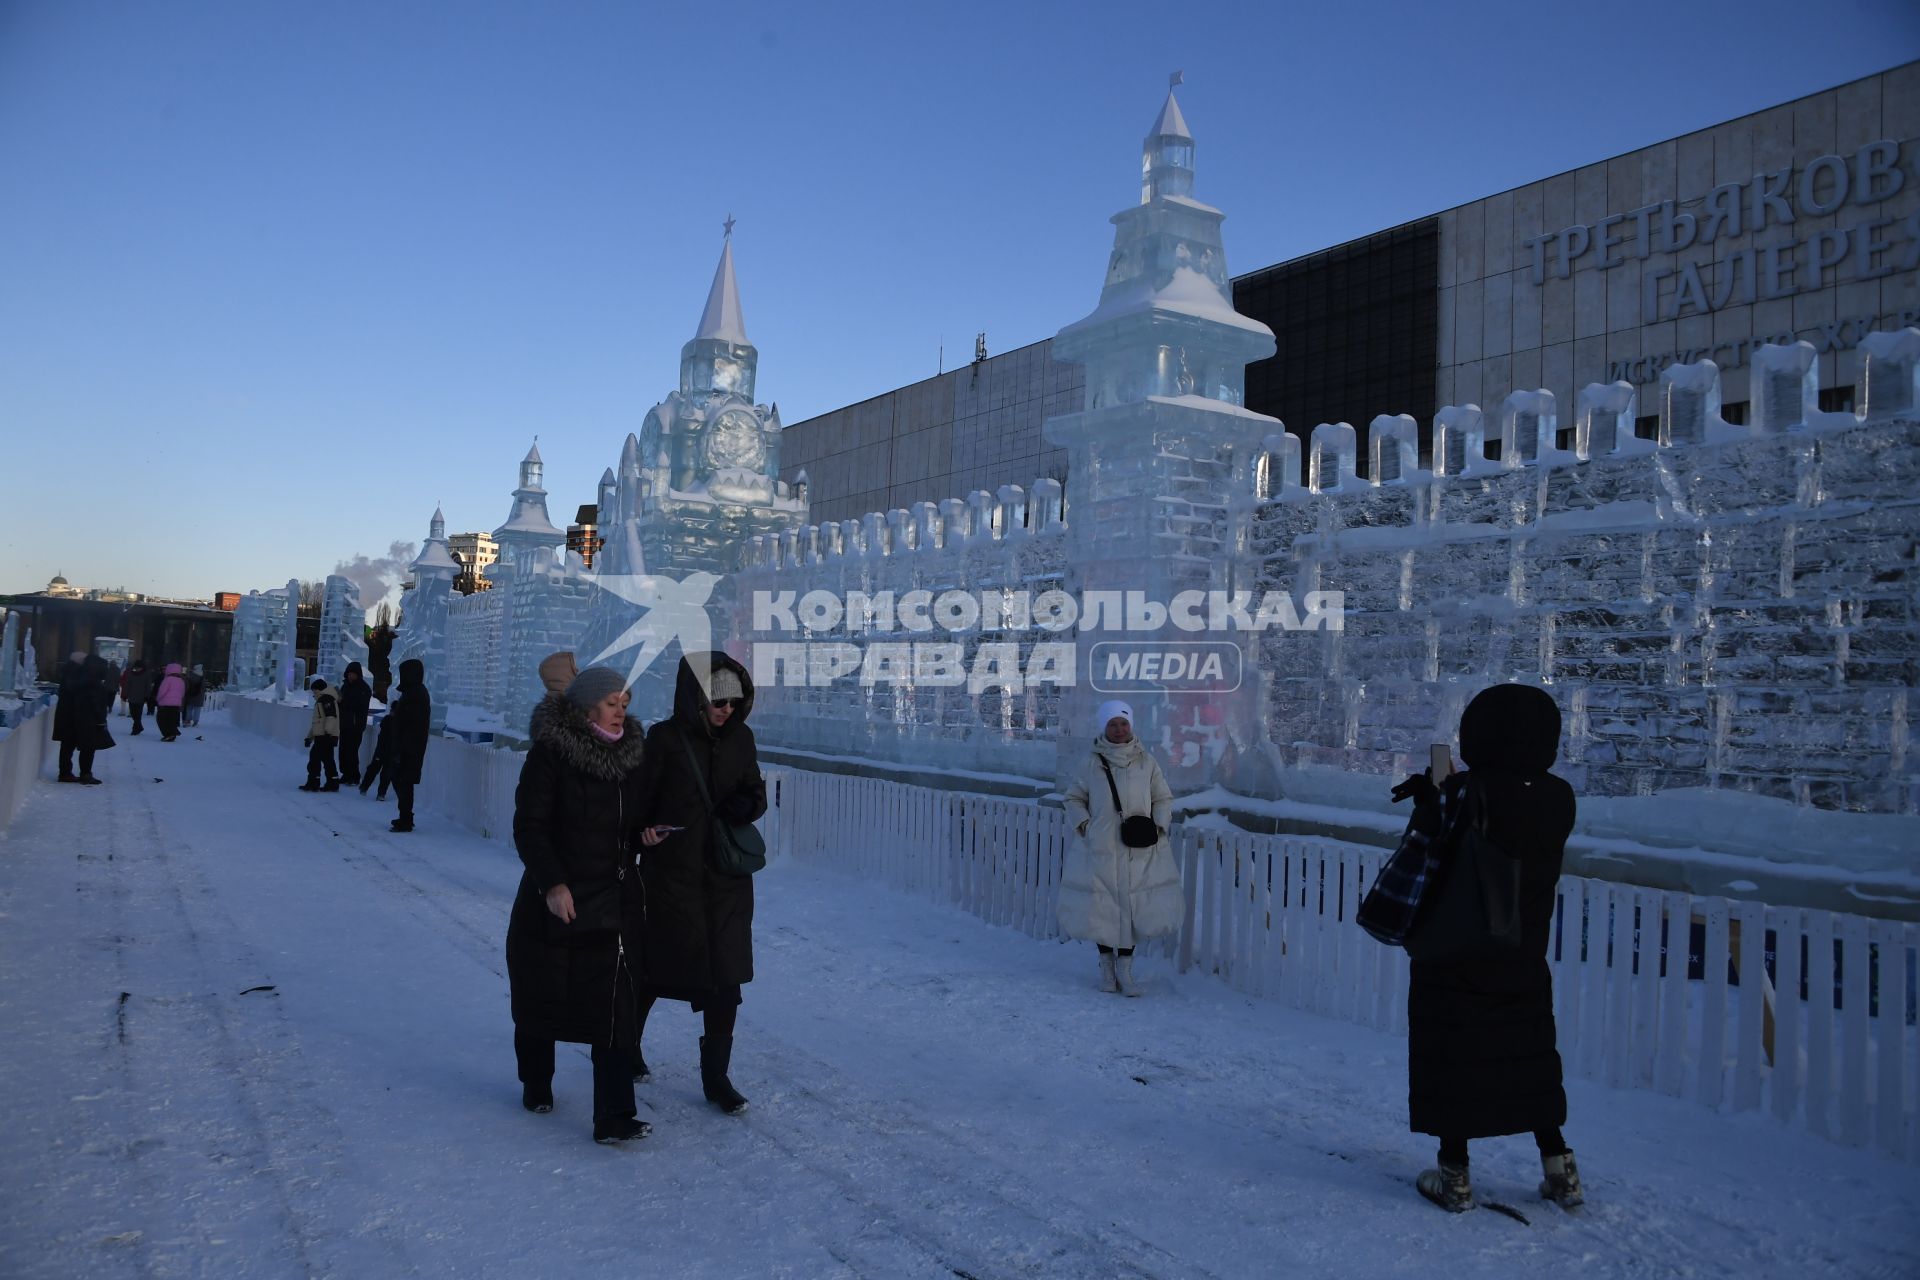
[[620, 1129], [538, 1101], [1562, 1183], [1447, 1186]]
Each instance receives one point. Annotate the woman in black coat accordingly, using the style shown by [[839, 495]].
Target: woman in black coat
[[410, 723], [1481, 1053], [576, 817], [356, 699], [80, 717], [697, 939]]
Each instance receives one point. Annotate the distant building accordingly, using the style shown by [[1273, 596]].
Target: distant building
[[61, 589], [473, 552], [228, 600], [583, 538]]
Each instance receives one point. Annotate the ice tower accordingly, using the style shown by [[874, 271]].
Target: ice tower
[[703, 476], [529, 531], [424, 610], [1153, 452]]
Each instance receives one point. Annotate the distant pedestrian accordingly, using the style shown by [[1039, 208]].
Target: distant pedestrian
[[196, 697], [169, 695], [412, 725], [1481, 1053], [576, 821], [356, 696], [80, 717], [1120, 883], [323, 734], [137, 688]]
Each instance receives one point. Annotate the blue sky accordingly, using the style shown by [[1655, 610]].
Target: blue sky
[[275, 278]]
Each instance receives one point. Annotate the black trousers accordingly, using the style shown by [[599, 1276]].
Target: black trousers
[[136, 710], [319, 755], [350, 736], [612, 1077], [66, 760], [405, 791], [1453, 1151], [168, 719], [718, 1012]]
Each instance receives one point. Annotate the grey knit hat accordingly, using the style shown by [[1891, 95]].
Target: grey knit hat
[[592, 685], [725, 685]]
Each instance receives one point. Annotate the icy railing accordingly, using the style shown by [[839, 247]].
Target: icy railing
[[1785, 380], [982, 517]]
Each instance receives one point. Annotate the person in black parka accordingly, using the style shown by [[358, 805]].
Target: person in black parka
[[1481, 1053], [576, 822], [356, 696], [410, 723], [80, 717], [697, 943]]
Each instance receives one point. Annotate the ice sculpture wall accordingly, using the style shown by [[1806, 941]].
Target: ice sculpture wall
[[342, 630]]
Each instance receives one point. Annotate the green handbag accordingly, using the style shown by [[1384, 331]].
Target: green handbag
[[733, 848]]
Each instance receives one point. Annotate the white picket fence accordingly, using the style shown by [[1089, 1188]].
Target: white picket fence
[[1806, 1014]]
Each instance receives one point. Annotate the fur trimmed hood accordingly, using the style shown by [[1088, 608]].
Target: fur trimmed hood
[[561, 728]]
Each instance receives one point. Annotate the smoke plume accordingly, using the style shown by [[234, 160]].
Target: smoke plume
[[377, 576]]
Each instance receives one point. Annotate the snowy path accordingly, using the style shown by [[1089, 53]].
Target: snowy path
[[249, 1032]]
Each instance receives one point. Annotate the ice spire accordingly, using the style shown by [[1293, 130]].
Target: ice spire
[[722, 318], [1166, 160]]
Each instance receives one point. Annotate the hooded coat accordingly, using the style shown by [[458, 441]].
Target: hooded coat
[[409, 724], [1109, 893], [325, 722], [1482, 1058], [576, 821], [698, 927], [173, 687], [138, 685], [356, 696], [86, 695]]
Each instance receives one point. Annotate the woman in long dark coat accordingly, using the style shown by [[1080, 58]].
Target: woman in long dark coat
[[410, 721], [576, 818], [80, 717], [1481, 1053], [697, 939]]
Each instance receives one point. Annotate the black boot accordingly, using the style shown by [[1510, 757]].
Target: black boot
[[537, 1098], [716, 1052]]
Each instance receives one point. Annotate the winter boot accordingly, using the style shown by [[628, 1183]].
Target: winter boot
[[88, 779], [400, 825], [333, 784], [715, 1053], [620, 1129], [1123, 974], [1447, 1186], [311, 784], [1562, 1183], [537, 1099], [1109, 978], [641, 1073], [69, 777]]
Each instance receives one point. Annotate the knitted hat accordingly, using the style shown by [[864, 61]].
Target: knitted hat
[[318, 683], [1107, 711], [591, 686], [725, 685]]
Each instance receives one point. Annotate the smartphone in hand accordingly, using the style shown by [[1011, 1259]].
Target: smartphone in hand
[[1439, 762]]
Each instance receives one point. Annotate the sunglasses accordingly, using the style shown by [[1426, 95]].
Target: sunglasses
[[728, 702]]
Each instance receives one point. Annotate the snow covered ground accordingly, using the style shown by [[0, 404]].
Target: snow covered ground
[[248, 1032]]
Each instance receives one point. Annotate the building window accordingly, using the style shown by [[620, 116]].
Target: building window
[[1734, 412], [1837, 400]]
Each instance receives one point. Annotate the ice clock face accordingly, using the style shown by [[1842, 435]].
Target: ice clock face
[[734, 441]]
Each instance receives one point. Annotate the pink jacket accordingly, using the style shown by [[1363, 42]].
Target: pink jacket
[[173, 688]]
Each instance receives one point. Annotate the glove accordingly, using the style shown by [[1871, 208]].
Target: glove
[[306, 742], [1428, 817]]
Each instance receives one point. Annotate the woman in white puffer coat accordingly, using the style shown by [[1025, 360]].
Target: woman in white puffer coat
[[1110, 894]]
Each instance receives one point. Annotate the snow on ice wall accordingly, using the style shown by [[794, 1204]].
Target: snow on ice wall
[[1738, 612], [983, 543]]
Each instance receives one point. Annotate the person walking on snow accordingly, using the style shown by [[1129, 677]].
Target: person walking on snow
[[1120, 882], [356, 697], [80, 717], [410, 721], [196, 697], [136, 688], [323, 731], [576, 823], [168, 697], [697, 943], [1481, 1053]]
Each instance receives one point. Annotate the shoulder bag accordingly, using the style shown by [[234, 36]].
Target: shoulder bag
[[1138, 831], [733, 848], [1475, 908]]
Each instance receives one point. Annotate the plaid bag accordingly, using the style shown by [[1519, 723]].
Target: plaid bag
[[1392, 906]]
